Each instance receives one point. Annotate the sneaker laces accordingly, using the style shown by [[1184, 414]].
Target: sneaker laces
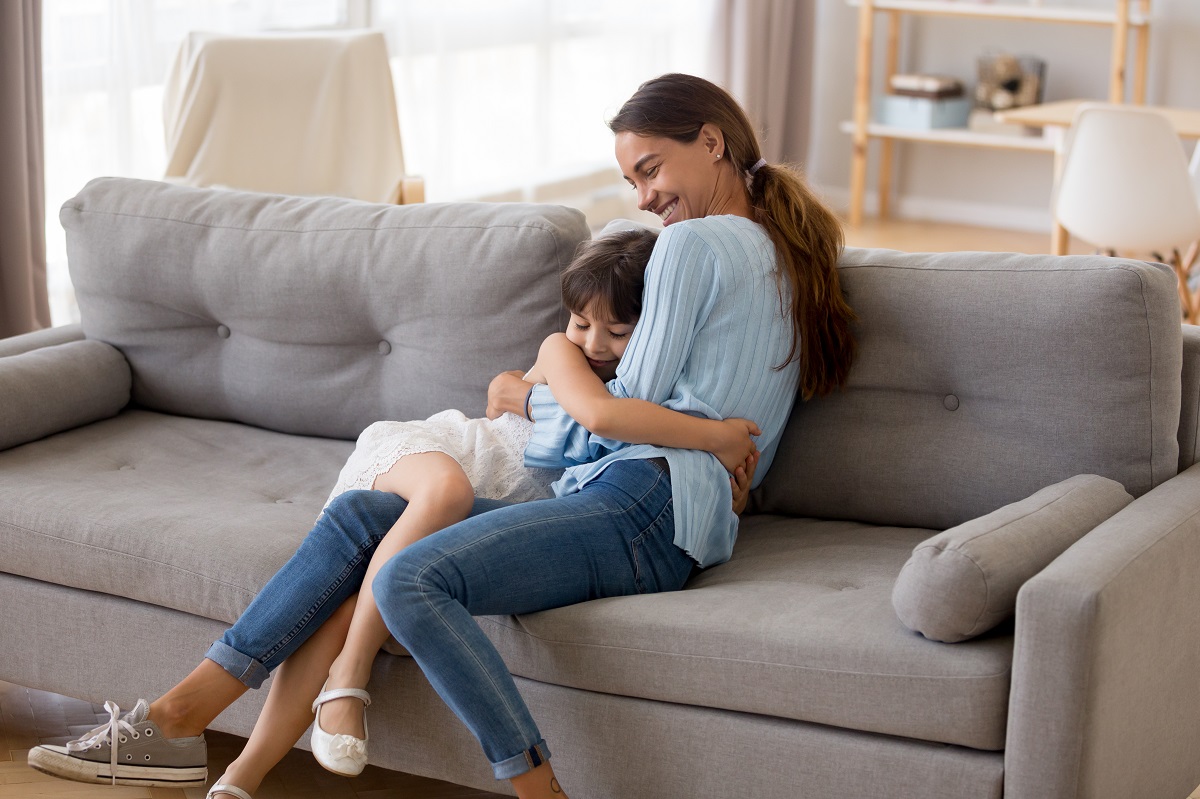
[[109, 733]]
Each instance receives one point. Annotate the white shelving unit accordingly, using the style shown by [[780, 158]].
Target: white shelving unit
[[1123, 19]]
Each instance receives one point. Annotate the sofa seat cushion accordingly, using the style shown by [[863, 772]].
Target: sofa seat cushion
[[190, 514], [196, 515], [798, 624]]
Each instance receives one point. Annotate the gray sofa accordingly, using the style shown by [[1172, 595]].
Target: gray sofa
[[160, 462]]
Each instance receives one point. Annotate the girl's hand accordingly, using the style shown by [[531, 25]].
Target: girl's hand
[[733, 444], [740, 482], [506, 393]]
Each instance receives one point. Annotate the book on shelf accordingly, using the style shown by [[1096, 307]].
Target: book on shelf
[[934, 87]]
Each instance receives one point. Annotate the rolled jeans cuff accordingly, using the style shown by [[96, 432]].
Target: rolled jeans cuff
[[528, 760], [244, 668]]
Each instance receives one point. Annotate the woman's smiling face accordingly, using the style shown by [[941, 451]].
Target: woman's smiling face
[[673, 179]]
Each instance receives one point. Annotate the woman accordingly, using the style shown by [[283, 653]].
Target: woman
[[742, 308]]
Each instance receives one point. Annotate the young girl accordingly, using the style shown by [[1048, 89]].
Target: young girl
[[441, 464]]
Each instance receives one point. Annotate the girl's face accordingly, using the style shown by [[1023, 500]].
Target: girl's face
[[674, 180], [602, 340]]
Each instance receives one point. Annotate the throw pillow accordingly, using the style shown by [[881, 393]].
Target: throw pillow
[[964, 581], [52, 389]]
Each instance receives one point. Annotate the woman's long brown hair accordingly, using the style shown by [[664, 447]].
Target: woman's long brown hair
[[807, 235]]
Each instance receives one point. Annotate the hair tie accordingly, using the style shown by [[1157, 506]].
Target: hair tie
[[758, 165]]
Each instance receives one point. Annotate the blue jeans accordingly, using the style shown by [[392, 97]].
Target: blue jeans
[[613, 538]]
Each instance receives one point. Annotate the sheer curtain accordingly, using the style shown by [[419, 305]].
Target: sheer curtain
[[498, 99], [763, 55], [104, 65], [512, 97]]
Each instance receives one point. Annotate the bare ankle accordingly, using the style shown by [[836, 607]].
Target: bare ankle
[[539, 783], [172, 719], [348, 673], [240, 777]]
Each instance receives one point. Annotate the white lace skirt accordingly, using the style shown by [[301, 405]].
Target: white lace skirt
[[490, 452]]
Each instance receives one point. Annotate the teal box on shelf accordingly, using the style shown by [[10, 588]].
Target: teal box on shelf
[[921, 113]]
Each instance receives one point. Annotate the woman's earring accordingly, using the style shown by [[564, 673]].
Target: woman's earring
[[719, 156]]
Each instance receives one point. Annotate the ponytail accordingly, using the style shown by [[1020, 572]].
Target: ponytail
[[808, 240]]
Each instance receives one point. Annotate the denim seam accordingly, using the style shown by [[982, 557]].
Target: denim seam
[[637, 542], [512, 714], [320, 603]]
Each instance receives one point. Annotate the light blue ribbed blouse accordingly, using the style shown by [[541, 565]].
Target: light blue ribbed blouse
[[710, 333]]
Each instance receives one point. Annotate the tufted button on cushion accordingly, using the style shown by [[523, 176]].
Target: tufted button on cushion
[[950, 402], [384, 348], [1042, 406], [331, 279]]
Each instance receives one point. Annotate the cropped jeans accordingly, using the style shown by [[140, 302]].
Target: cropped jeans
[[615, 537]]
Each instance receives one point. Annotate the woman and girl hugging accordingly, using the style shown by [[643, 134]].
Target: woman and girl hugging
[[616, 465]]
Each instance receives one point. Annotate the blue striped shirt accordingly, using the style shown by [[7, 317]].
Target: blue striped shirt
[[710, 333]]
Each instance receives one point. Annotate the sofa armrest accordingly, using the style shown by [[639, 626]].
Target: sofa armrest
[[49, 337], [49, 389], [1104, 699]]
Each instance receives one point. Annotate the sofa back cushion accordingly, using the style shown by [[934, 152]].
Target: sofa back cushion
[[315, 316], [982, 378]]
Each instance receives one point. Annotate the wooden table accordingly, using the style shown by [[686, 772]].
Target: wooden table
[[1057, 118], [1062, 113]]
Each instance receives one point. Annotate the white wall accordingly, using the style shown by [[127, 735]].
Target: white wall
[[965, 184]]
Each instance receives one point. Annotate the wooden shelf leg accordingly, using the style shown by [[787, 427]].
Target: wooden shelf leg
[[884, 184], [862, 111], [887, 146], [1141, 55], [1059, 239], [1120, 54]]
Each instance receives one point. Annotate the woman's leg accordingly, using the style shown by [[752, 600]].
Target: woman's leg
[[613, 538], [288, 710], [439, 495]]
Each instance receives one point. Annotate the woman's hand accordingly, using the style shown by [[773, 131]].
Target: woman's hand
[[740, 482], [506, 394], [733, 444]]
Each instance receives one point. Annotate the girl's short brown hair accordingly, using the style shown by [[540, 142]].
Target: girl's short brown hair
[[608, 273]]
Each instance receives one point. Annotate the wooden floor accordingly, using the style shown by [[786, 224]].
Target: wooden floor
[[29, 717], [912, 236]]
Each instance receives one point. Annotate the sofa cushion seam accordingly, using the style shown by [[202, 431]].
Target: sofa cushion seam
[[129, 556], [689, 655], [530, 225]]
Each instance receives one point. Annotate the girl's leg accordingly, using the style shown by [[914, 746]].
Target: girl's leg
[[439, 495], [613, 538], [288, 710], [327, 569]]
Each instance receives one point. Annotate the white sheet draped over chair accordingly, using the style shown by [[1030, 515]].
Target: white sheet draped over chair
[[295, 113]]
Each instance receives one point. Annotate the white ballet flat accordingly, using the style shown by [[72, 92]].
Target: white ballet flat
[[232, 790], [341, 754]]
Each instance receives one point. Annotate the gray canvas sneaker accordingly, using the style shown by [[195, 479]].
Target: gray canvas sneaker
[[128, 750]]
